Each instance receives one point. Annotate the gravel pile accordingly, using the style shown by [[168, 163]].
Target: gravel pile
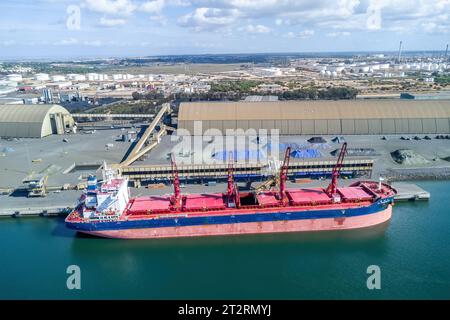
[[408, 157], [403, 174]]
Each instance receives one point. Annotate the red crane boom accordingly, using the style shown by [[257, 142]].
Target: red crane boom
[[176, 198], [284, 175], [332, 188], [231, 187]]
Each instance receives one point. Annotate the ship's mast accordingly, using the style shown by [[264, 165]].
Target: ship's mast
[[176, 198], [332, 188], [284, 175]]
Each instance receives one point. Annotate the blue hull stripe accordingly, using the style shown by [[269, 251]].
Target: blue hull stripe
[[230, 219]]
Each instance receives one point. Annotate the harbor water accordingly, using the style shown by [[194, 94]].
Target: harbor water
[[412, 252]]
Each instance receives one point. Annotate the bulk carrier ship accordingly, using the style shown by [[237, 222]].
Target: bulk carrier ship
[[106, 210]]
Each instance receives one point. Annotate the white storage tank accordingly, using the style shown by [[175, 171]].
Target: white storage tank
[[14, 77], [58, 78], [41, 77]]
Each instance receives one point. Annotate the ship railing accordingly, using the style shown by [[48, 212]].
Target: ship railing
[[104, 219], [157, 213], [370, 191]]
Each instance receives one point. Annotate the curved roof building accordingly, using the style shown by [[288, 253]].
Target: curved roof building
[[322, 117], [33, 121]]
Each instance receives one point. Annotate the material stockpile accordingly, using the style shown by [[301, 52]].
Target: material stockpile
[[408, 157], [306, 154]]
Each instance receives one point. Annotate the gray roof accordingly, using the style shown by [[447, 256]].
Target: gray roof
[[23, 121], [315, 109]]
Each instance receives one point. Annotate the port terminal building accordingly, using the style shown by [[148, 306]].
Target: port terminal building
[[320, 117], [33, 121]]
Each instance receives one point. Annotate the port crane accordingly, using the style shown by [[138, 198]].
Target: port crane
[[284, 175], [274, 181], [232, 190], [332, 188], [175, 199]]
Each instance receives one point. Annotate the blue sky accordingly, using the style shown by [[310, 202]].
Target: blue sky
[[107, 28]]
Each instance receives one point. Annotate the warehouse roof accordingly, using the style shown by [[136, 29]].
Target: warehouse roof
[[315, 109], [28, 113], [27, 120]]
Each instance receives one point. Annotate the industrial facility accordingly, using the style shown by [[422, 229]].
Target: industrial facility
[[350, 117], [33, 121]]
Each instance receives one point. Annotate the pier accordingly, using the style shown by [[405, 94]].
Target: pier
[[33, 212], [410, 192]]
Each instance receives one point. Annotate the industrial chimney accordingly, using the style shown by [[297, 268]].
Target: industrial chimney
[[400, 52]]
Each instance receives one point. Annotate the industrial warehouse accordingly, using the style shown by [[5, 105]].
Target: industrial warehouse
[[33, 121], [350, 117]]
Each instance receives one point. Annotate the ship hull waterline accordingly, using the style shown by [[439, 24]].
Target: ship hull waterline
[[283, 226]]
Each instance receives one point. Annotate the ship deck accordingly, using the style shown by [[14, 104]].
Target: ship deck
[[195, 205], [216, 203]]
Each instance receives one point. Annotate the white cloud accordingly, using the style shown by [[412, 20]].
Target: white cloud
[[207, 45], [113, 7], [209, 18], [66, 42], [7, 43], [305, 34], [290, 35], [159, 19], [179, 3], [94, 43], [154, 6], [256, 29], [112, 22], [330, 15], [338, 34]]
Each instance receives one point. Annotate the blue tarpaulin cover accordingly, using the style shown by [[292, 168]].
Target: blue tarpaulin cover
[[306, 153]]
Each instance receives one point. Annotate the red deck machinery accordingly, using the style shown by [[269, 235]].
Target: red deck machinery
[[175, 199], [332, 188], [283, 176], [232, 190]]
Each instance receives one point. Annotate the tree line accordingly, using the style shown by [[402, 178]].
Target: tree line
[[332, 93]]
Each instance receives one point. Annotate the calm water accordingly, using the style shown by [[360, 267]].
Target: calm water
[[413, 251]]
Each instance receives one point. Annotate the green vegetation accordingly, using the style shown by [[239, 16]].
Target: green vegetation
[[123, 108], [443, 79], [333, 93], [243, 86], [52, 68], [153, 95]]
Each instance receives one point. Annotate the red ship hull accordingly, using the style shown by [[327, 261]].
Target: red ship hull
[[323, 224]]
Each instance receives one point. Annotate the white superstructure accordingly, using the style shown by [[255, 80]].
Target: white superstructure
[[107, 201]]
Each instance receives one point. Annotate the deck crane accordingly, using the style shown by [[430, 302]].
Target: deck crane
[[283, 176], [231, 186], [332, 188], [176, 199]]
